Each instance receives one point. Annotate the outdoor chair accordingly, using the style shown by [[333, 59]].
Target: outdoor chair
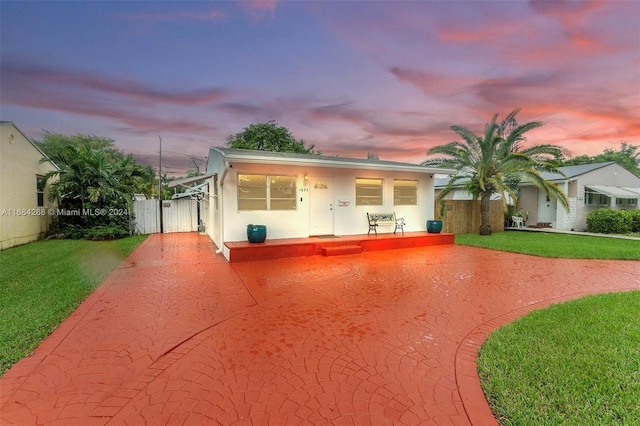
[[518, 222]]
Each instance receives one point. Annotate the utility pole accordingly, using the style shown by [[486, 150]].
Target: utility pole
[[160, 186]]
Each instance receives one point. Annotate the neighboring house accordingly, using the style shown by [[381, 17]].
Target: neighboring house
[[302, 195], [24, 197], [588, 187]]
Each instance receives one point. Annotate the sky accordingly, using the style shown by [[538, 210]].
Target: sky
[[349, 77]]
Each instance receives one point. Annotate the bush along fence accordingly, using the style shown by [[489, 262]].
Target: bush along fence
[[609, 221]]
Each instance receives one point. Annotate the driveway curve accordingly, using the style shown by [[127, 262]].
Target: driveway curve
[[176, 335]]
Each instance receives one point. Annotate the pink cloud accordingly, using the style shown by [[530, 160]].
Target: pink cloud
[[260, 9]]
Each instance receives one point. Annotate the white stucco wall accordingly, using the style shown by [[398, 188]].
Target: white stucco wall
[[348, 220]]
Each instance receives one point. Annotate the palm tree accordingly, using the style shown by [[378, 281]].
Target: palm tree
[[487, 163]]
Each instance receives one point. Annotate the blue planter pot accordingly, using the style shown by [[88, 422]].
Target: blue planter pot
[[434, 226], [256, 233]]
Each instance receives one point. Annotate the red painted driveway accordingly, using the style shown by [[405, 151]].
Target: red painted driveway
[[176, 335]]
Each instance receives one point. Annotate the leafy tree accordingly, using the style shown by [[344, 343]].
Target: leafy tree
[[487, 164], [627, 156], [268, 136], [53, 143], [90, 179]]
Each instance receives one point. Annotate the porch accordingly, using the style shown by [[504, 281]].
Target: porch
[[331, 245]]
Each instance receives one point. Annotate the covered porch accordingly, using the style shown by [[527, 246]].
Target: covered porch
[[331, 245]]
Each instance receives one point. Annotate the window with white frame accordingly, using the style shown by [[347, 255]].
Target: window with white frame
[[265, 192], [626, 202], [368, 192], [405, 192], [592, 198]]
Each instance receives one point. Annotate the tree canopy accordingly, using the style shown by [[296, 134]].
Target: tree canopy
[[627, 156], [489, 163], [268, 136], [95, 180]]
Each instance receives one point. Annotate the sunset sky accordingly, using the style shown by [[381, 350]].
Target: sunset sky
[[347, 76]]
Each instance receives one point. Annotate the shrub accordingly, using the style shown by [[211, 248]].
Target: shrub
[[609, 221], [635, 220]]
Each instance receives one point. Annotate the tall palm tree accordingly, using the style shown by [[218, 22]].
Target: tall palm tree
[[487, 163]]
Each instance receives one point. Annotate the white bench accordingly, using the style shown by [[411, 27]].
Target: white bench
[[376, 219]]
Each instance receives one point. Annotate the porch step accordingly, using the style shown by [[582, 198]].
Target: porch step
[[340, 250]]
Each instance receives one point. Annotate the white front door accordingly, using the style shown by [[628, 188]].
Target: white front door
[[321, 206], [547, 208]]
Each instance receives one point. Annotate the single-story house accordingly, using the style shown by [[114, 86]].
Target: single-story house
[[24, 196], [588, 187], [303, 195]]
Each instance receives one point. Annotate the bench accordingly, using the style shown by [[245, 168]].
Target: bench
[[376, 219]]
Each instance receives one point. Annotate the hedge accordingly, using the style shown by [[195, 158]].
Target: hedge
[[609, 221]]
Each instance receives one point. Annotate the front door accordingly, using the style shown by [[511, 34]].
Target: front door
[[547, 208], [321, 206]]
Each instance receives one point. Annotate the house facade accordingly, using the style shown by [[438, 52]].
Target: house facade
[[301, 195], [588, 187], [24, 197]]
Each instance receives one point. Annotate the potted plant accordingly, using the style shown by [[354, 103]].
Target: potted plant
[[435, 226], [256, 233]]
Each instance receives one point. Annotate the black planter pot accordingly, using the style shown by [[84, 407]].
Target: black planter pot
[[256, 233], [434, 226]]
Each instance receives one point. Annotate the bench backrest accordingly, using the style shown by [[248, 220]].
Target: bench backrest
[[381, 217]]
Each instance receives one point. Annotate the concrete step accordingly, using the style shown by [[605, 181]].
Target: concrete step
[[341, 250]]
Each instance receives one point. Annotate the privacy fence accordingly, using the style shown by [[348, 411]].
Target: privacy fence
[[463, 216], [177, 216]]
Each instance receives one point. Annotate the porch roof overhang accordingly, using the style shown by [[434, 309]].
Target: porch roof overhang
[[187, 181], [289, 159], [615, 191]]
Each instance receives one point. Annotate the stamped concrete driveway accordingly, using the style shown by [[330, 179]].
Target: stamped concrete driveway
[[176, 335]]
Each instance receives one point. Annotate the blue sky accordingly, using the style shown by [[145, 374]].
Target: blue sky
[[347, 76]]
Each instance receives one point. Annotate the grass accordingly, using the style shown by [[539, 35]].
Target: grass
[[43, 282], [576, 363], [555, 245]]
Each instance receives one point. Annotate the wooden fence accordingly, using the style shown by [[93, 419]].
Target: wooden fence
[[463, 216], [177, 216]]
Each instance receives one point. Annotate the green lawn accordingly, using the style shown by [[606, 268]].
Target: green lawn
[[576, 363], [555, 245], [43, 282]]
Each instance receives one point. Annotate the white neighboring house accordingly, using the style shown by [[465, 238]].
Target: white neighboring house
[[24, 197], [588, 187], [302, 195]]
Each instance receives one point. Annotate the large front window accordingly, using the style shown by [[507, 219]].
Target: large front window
[[264, 192], [405, 192], [595, 199], [368, 192]]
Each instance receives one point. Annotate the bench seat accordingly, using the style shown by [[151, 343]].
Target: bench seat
[[376, 219]]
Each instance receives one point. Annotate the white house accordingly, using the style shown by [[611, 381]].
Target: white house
[[24, 196], [588, 187], [302, 195]]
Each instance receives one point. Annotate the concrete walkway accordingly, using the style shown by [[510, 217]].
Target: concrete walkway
[[176, 335]]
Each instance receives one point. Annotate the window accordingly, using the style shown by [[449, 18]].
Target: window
[[626, 201], [263, 192], [40, 190], [405, 192], [595, 199], [368, 192]]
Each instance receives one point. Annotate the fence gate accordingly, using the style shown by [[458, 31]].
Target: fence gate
[[177, 216]]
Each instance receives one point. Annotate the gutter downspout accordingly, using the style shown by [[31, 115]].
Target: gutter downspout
[[221, 205]]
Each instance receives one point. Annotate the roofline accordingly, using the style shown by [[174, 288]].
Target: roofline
[[11, 123], [184, 181], [324, 161]]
